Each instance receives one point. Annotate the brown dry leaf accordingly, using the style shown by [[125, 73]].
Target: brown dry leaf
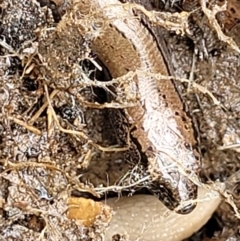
[[87, 211]]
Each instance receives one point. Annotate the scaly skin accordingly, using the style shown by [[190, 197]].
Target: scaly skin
[[163, 129]]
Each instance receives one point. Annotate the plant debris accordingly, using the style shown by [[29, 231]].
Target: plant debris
[[58, 149]]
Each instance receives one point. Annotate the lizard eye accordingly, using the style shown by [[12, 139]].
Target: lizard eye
[[97, 26], [187, 146]]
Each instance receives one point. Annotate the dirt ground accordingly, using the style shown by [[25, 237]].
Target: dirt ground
[[46, 121]]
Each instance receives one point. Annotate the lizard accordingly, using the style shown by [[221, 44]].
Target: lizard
[[162, 127]]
